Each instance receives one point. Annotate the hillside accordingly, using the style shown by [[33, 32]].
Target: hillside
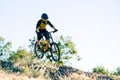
[[39, 70]]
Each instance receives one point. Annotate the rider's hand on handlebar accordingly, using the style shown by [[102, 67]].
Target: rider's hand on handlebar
[[55, 30]]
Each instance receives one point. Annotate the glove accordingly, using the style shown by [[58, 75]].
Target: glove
[[55, 30]]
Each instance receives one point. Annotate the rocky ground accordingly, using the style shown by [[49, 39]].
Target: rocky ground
[[47, 71]]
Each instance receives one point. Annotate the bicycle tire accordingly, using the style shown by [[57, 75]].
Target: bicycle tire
[[55, 52], [38, 51]]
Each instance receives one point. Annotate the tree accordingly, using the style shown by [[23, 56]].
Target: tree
[[67, 49], [5, 49]]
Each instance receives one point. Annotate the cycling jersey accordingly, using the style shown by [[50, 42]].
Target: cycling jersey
[[42, 23]]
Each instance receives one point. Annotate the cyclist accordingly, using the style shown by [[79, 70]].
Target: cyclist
[[41, 27]]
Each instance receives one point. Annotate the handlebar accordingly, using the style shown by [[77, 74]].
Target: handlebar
[[53, 31]]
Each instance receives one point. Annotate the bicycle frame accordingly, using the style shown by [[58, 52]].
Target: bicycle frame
[[50, 40], [50, 37]]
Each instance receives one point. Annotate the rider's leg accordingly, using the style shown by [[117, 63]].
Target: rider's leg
[[39, 36], [38, 42], [46, 34]]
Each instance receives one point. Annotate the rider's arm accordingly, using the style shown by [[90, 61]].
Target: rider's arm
[[51, 25], [37, 26]]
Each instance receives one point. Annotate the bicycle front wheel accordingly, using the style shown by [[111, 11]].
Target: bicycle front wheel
[[38, 51], [55, 52]]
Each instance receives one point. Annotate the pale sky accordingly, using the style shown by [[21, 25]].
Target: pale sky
[[94, 26]]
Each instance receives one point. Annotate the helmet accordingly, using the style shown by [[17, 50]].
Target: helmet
[[44, 16]]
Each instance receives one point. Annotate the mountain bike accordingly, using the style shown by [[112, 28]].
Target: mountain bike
[[47, 46]]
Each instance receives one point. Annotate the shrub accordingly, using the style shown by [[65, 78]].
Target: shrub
[[117, 71], [100, 70]]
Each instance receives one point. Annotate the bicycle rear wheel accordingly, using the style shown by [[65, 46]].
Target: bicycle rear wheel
[[55, 52], [38, 51]]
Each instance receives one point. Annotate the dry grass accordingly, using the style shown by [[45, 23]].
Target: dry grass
[[16, 76], [79, 77], [31, 72], [117, 77]]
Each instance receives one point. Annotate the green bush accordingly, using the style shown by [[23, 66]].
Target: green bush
[[100, 70], [117, 71], [20, 54]]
